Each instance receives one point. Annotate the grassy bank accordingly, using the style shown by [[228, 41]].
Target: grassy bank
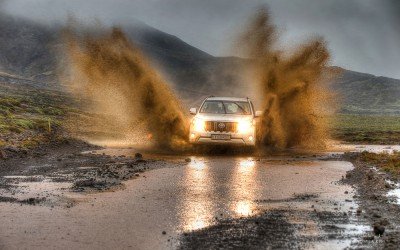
[[387, 162], [367, 129], [28, 116]]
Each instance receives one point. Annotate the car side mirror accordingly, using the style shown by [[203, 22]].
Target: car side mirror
[[193, 111], [258, 113]]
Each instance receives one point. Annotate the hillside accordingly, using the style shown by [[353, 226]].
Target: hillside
[[28, 51], [26, 48], [368, 94]]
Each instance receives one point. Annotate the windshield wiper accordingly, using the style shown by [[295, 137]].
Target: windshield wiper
[[243, 110]]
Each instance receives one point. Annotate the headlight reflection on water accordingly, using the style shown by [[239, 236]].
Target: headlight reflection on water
[[246, 165], [244, 208], [244, 187], [196, 164], [211, 190], [197, 201]]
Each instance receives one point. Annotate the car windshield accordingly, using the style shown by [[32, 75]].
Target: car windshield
[[226, 107]]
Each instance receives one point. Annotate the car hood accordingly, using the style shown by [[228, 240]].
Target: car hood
[[223, 117]]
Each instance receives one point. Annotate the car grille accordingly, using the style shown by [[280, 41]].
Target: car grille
[[218, 127]]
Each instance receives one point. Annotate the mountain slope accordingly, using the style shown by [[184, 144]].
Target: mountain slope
[[29, 50], [368, 94], [25, 47]]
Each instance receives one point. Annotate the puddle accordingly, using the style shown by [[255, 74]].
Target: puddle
[[87, 168], [193, 196], [45, 190], [353, 229], [338, 149], [350, 230], [25, 178], [395, 193], [234, 188], [333, 244], [389, 149], [130, 152]]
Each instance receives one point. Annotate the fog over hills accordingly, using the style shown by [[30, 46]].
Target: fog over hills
[[29, 54]]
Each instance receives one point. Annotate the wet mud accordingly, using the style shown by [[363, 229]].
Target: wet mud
[[70, 166], [378, 209], [202, 202], [271, 229]]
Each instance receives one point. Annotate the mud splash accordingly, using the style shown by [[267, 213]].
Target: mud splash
[[292, 86], [126, 99]]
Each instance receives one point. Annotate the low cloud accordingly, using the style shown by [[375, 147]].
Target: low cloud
[[363, 35]]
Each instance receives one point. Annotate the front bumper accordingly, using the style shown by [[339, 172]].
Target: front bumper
[[247, 139]]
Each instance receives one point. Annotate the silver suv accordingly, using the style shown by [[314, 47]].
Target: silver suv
[[224, 120]]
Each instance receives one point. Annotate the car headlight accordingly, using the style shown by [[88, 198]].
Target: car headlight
[[244, 126], [198, 125]]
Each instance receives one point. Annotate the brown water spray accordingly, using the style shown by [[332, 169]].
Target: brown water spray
[[123, 92], [128, 98], [292, 86]]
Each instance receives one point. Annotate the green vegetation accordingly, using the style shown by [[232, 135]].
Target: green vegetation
[[19, 114], [28, 115], [387, 162], [372, 129]]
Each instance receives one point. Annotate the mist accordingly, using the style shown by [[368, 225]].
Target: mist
[[363, 35]]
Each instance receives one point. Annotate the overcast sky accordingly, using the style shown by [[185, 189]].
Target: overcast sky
[[363, 35]]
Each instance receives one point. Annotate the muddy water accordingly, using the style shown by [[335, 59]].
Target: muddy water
[[394, 194], [290, 84], [176, 200], [389, 149]]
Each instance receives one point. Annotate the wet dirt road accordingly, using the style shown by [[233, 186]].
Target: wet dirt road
[[159, 207]]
